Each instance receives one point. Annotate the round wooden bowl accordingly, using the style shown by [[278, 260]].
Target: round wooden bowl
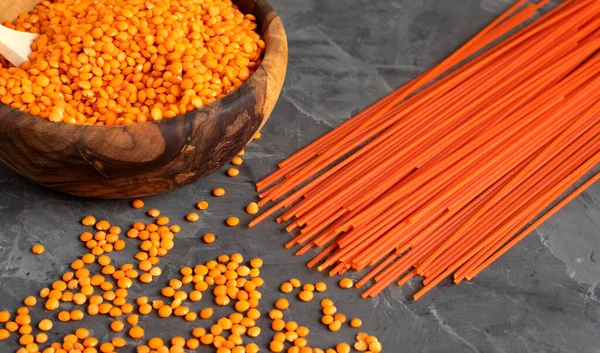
[[150, 158]]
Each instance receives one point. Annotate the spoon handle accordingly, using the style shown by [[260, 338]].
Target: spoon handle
[[15, 46]]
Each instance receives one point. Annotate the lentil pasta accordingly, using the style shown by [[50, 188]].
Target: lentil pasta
[[439, 178]]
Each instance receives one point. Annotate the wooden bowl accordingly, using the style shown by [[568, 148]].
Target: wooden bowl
[[149, 158]]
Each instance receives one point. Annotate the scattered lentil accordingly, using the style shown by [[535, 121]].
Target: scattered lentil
[[335, 326], [340, 317], [346, 283], [30, 301], [309, 287], [252, 208], [321, 287], [237, 161], [306, 296], [45, 325], [192, 217], [38, 249], [356, 322], [136, 332], [88, 221], [282, 304], [218, 192], [233, 172], [209, 238], [232, 221], [286, 287], [342, 348], [137, 204], [153, 212]]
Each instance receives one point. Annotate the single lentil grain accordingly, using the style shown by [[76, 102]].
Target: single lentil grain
[[209, 238], [117, 326], [356, 322], [342, 348], [30, 301], [218, 192], [88, 221], [321, 287], [282, 304], [346, 283], [4, 316], [361, 346], [45, 325], [136, 332], [38, 249], [335, 326], [192, 217], [306, 296], [252, 208], [232, 221], [237, 161], [137, 203]]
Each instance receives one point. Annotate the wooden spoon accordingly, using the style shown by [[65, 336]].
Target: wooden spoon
[[15, 46]]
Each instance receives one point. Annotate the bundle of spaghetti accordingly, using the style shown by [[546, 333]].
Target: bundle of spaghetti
[[442, 174], [431, 94], [541, 181], [349, 143], [493, 31]]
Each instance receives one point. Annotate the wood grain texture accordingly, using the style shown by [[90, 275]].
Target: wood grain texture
[[10, 9], [150, 158]]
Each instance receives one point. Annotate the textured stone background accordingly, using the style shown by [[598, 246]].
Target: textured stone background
[[540, 297]]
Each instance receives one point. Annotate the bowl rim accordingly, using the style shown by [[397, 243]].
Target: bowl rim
[[270, 54]]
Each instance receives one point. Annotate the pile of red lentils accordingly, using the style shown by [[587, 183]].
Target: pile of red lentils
[[106, 292], [296, 337], [114, 62], [96, 285]]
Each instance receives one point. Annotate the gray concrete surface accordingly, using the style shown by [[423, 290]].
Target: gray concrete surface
[[540, 297]]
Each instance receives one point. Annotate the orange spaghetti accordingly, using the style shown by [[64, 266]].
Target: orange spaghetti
[[440, 177]]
